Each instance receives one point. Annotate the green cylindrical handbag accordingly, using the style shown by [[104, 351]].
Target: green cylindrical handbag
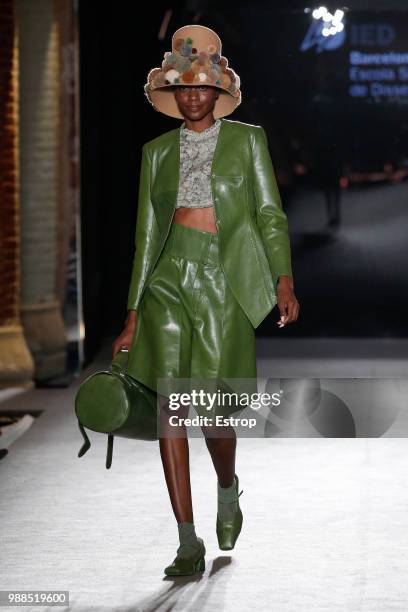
[[114, 403]]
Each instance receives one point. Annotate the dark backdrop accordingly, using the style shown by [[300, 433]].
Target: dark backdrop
[[322, 127]]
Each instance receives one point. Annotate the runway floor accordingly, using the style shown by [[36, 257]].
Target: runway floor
[[325, 519]]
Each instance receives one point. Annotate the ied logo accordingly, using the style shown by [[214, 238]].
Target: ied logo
[[322, 36]]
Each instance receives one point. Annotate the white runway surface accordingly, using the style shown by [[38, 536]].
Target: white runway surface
[[325, 521]]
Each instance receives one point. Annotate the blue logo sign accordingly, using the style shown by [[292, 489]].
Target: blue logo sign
[[322, 41]]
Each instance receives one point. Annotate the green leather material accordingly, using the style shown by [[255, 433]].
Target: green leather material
[[186, 565], [189, 325], [229, 530], [114, 403], [252, 226]]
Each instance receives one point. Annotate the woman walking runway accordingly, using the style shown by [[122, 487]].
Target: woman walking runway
[[212, 259]]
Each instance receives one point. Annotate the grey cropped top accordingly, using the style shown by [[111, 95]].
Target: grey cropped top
[[196, 154]]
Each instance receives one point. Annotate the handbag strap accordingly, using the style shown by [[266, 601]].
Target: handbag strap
[[120, 362], [109, 451], [87, 444]]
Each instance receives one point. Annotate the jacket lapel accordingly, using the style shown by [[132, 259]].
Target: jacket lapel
[[220, 149], [166, 180]]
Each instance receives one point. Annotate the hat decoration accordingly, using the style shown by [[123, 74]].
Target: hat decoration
[[195, 59]]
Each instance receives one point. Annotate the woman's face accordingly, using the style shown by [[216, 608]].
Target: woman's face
[[195, 101]]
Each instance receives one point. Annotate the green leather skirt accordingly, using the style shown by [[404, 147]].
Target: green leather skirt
[[189, 324]]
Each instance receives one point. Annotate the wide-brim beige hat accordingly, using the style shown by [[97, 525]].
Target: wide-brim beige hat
[[195, 59]]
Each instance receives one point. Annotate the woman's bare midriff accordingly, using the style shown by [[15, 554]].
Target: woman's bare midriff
[[199, 218]]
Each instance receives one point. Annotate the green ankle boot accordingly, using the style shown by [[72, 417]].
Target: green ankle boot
[[229, 530], [189, 560]]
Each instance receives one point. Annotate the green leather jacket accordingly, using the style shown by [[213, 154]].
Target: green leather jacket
[[252, 226]]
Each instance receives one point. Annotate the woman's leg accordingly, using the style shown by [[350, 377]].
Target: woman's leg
[[222, 448], [174, 453], [222, 451], [175, 457]]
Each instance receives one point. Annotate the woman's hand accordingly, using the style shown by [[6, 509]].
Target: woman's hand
[[126, 337], [287, 302]]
